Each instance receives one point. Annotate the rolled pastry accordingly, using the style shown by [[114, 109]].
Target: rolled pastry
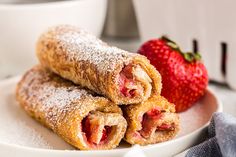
[[82, 119], [74, 54], [150, 122]]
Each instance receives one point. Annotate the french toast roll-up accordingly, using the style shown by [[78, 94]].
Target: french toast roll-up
[[76, 55], [81, 118], [150, 122]]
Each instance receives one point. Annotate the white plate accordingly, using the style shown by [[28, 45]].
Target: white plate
[[22, 136]]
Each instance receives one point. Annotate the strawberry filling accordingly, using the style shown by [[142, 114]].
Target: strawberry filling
[[151, 123], [105, 132], [165, 127], [127, 85], [94, 132]]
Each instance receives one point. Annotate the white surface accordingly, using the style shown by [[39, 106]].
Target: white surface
[[135, 151], [186, 20], [21, 25], [21, 135]]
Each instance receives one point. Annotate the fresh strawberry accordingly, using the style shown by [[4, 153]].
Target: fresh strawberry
[[184, 76]]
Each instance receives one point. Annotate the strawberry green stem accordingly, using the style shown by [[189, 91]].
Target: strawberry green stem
[[188, 56]]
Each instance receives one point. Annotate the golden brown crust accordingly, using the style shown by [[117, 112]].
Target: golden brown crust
[[61, 106], [134, 115], [80, 57]]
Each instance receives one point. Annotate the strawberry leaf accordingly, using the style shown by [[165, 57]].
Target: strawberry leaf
[[190, 57], [171, 43]]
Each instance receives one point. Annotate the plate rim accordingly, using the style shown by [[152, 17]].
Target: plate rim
[[219, 108]]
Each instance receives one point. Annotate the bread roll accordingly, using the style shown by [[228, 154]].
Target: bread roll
[[76, 55], [79, 116]]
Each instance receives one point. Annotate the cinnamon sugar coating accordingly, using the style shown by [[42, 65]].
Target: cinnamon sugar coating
[[78, 56]]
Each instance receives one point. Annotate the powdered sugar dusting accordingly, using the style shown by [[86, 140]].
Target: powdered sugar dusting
[[79, 45], [22, 134], [54, 97], [17, 128], [61, 96]]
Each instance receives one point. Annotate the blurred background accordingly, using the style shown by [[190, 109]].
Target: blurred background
[[204, 26]]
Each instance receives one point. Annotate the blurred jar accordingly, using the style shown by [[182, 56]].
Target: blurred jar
[[120, 21]]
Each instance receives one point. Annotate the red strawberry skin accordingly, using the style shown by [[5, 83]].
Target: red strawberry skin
[[184, 82]]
